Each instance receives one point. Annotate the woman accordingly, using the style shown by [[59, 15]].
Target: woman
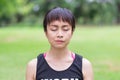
[[59, 63]]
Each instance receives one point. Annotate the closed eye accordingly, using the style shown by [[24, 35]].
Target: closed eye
[[66, 29], [53, 27]]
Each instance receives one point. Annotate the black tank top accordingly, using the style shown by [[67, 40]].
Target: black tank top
[[45, 72]]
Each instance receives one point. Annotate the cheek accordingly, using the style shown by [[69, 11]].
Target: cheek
[[68, 36], [49, 36]]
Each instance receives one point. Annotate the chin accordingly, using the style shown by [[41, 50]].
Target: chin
[[59, 46]]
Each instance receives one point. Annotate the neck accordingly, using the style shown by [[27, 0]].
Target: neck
[[59, 53]]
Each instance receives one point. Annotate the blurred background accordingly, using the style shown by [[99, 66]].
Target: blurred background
[[97, 35], [30, 12]]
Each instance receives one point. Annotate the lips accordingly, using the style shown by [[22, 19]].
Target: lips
[[59, 41]]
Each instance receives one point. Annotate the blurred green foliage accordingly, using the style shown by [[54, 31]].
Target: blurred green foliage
[[30, 12]]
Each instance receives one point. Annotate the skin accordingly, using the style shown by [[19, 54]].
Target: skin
[[59, 57]]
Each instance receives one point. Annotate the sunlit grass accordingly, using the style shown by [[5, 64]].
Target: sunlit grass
[[100, 45]]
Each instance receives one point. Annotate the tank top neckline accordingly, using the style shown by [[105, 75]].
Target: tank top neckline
[[43, 55], [72, 55]]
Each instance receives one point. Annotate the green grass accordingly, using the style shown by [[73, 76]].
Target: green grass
[[100, 45]]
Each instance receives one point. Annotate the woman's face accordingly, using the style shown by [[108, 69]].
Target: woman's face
[[59, 34]]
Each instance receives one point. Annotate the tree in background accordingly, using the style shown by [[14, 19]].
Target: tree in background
[[117, 3], [13, 11], [7, 10], [85, 11]]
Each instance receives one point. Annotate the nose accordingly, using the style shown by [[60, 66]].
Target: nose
[[60, 34]]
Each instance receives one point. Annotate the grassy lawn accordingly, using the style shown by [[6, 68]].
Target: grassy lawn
[[100, 45]]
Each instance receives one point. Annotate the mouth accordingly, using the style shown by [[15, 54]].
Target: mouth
[[59, 41]]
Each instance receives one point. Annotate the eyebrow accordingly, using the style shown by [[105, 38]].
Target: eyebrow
[[65, 26], [54, 25], [57, 25]]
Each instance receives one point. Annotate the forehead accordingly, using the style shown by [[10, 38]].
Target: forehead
[[59, 22]]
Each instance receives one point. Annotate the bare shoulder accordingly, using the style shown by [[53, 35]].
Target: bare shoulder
[[86, 62], [32, 63], [31, 66], [31, 69], [87, 69]]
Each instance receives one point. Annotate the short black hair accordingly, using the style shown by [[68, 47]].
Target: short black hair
[[59, 13]]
